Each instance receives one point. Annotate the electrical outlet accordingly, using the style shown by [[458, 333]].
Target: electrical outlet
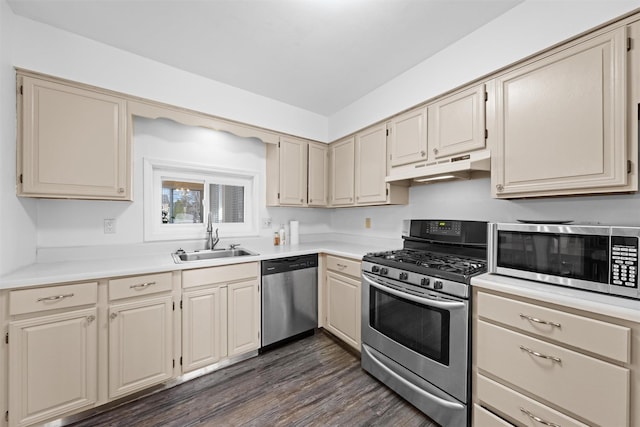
[[266, 222], [109, 226], [367, 223]]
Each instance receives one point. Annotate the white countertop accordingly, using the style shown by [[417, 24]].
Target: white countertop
[[622, 308], [43, 273]]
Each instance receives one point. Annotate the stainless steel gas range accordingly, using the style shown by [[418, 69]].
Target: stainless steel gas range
[[415, 315]]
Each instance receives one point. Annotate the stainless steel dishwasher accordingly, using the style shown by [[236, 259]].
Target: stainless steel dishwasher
[[289, 297]]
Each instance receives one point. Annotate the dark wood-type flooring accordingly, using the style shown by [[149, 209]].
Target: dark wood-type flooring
[[311, 382]]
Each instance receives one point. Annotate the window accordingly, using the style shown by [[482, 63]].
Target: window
[[179, 197]]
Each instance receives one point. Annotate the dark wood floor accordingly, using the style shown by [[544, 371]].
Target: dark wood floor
[[311, 382]]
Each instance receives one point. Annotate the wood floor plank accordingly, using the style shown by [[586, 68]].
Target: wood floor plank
[[311, 382]]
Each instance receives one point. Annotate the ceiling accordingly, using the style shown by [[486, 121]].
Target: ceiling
[[319, 55]]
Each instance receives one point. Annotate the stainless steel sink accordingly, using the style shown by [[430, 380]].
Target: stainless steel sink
[[181, 256]]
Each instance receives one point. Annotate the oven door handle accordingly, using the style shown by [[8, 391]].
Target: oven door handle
[[420, 300]]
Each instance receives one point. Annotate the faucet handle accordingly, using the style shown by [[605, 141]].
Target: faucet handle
[[233, 246]]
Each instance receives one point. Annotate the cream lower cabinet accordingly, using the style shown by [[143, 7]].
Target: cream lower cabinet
[[343, 299], [539, 363], [140, 333], [562, 122], [72, 141], [220, 313], [53, 358]]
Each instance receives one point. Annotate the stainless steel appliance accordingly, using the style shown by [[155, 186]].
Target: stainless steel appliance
[[289, 297], [415, 315], [595, 258]]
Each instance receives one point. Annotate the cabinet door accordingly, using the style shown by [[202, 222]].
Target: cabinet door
[[343, 308], [318, 171], [140, 344], [457, 123], [342, 172], [371, 165], [204, 327], [561, 122], [409, 137], [293, 171], [73, 143], [243, 306], [53, 362]]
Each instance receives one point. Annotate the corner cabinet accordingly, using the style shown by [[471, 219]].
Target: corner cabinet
[[72, 141], [318, 171], [562, 122]]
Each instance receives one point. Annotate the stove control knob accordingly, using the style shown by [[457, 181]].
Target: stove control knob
[[375, 269], [404, 276], [384, 271], [424, 281], [437, 284]]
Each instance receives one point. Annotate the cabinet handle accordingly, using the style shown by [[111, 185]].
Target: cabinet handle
[[120, 190], [543, 322], [540, 355], [113, 315], [55, 298], [435, 151], [341, 266], [91, 318], [301, 201], [538, 419], [423, 153], [499, 187], [142, 285], [351, 199], [310, 200]]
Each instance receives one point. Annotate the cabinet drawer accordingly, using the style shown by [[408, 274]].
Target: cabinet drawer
[[602, 338], [52, 297], [139, 285], [343, 265], [221, 274], [597, 390], [517, 406], [484, 418]]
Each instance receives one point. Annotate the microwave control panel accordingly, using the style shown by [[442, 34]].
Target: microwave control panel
[[624, 261]]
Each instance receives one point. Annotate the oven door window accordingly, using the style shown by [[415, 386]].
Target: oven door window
[[418, 327]]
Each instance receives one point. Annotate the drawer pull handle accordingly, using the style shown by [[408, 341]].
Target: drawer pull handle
[[91, 318], [142, 285], [540, 355], [341, 265], [542, 322], [538, 419], [55, 298]]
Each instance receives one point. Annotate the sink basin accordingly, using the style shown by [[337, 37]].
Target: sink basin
[[181, 256]]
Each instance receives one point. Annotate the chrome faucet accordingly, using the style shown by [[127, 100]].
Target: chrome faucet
[[211, 241]]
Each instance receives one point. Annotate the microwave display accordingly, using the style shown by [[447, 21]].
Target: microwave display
[[574, 256]]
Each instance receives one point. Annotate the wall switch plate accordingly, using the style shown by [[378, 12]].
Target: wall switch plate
[[109, 226], [367, 223], [266, 222]]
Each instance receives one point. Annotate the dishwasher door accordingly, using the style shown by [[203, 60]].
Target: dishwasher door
[[289, 297]]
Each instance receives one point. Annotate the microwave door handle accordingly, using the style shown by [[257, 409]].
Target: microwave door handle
[[420, 300]]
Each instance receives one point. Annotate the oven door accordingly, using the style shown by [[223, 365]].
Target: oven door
[[425, 332]]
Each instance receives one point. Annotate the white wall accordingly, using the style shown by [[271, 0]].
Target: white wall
[[522, 31], [79, 223]]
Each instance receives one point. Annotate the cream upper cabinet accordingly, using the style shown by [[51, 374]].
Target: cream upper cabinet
[[53, 366], [318, 174], [342, 154], [72, 142], [371, 165], [561, 125], [243, 316], [293, 171], [456, 123], [408, 133]]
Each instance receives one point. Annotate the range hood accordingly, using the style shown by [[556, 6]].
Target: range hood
[[456, 167]]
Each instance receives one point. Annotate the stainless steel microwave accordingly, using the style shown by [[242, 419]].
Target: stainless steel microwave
[[595, 258]]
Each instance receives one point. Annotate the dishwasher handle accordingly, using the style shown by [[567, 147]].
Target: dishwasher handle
[[283, 265]]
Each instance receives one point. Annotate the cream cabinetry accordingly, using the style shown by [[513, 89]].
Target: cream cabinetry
[[342, 299], [533, 360], [140, 319], [221, 313], [318, 183], [562, 122], [287, 172], [53, 352], [72, 141], [342, 176], [456, 123], [408, 132]]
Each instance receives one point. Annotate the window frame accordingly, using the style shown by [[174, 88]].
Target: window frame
[[155, 170]]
